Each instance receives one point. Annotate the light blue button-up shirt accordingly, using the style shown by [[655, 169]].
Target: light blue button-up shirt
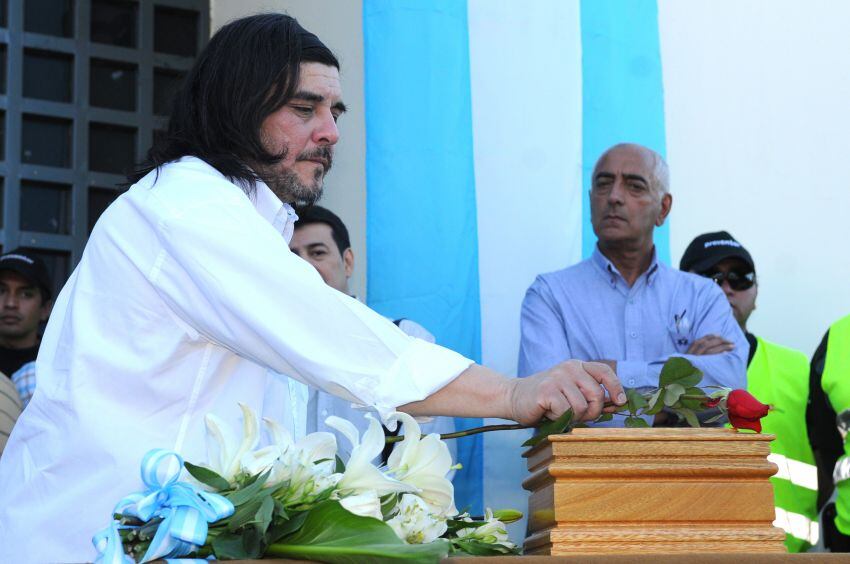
[[589, 312]]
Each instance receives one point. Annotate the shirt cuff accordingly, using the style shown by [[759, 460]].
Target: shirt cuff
[[638, 374], [420, 371]]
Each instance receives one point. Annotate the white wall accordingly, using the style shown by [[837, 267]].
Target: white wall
[[338, 23], [758, 114]]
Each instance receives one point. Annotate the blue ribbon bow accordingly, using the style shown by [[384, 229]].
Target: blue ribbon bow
[[185, 511]]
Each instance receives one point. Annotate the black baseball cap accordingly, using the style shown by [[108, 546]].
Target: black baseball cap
[[30, 267], [710, 248]]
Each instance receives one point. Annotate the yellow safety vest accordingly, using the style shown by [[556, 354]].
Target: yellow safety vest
[[779, 376], [836, 385]]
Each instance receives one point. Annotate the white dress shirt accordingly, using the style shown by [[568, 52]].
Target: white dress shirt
[[185, 299], [322, 405]]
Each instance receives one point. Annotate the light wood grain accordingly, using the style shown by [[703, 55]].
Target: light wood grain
[[606, 491]]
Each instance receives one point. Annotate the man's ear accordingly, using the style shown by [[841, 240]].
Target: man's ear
[[348, 260], [666, 204]]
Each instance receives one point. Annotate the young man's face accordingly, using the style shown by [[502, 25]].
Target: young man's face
[[23, 308], [314, 243], [305, 127], [743, 301]]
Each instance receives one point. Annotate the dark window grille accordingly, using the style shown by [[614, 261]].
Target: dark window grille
[[84, 86]]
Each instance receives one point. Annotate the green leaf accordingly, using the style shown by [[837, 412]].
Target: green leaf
[[332, 534], [207, 476], [242, 495], [263, 517], [280, 528], [656, 403], [562, 424], [604, 417], [672, 394], [229, 546], [245, 514], [716, 418], [280, 509], [340, 465], [475, 547], [689, 416], [635, 400], [635, 422], [680, 371]]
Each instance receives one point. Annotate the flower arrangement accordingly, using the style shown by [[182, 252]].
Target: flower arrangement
[[298, 499]]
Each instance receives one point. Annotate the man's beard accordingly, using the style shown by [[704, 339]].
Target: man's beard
[[287, 185]]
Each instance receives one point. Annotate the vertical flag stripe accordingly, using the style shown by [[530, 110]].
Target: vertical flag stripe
[[421, 226], [623, 97], [525, 68]]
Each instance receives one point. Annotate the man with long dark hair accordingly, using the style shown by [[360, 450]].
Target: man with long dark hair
[[187, 298]]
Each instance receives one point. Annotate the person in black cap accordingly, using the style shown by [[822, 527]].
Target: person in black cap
[[777, 376], [25, 297]]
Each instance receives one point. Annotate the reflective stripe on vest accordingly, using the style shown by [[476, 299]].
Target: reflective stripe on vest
[[797, 525], [836, 385], [842, 470], [780, 376], [798, 473]]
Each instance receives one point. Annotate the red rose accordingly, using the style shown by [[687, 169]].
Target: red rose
[[745, 411]]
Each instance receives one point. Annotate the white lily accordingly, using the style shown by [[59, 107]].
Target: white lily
[[360, 474], [366, 504], [424, 463], [224, 453], [307, 465], [414, 523], [491, 532]]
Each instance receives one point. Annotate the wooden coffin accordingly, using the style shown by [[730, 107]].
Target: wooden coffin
[[668, 490]]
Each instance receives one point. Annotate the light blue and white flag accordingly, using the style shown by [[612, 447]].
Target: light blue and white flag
[[484, 119]]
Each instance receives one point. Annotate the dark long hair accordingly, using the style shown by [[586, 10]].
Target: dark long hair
[[249, 70]]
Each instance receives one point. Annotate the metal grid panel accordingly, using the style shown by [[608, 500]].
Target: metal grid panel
[[79, 112]]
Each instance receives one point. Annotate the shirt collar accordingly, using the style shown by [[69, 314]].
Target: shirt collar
[[280, 214], [607, 268]]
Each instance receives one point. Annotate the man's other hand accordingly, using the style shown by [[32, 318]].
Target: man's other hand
[[710, 344], [573, 384]]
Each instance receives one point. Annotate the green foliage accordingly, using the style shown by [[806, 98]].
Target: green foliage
[[672, 394], [332, 534], [656, 402], [635, 422], [604, 417], [475, 547], [207, 476], [678, 370], [249, 490], [563, 424], [635, 400]]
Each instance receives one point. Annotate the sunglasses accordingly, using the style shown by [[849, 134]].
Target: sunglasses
[[737, 280]]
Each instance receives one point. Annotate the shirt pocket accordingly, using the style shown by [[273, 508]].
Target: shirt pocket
[[681, 335]]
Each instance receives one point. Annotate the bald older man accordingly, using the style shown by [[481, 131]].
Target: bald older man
[[622, 306]]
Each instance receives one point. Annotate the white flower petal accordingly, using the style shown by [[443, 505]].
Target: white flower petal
[[402, 451], [259, 461], [347, 428], [318, 446], [366, 504], [280, 435], [218, 445], [363, 477], [438, 492]]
